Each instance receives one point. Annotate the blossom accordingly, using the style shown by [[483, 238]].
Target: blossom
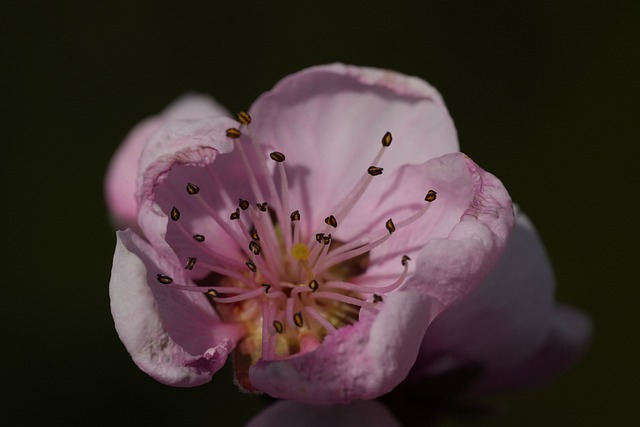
[[318, 235]]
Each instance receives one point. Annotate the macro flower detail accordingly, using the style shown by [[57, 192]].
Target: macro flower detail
[[314, 237]]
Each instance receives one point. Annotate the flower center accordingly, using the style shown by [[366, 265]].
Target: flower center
[[292, 288]]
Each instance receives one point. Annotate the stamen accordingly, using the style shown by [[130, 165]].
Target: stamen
[[313, 285], [339, 297], [235, 215], [277, 156], [320, 319], [278, 326], [244, 118], [377, 298], [405, 259], [266, 287], [244, 205], [241, 297], [254, 247], [191, 261], [175, 214], [192, 189], [295, 216], [254, 234], [251, 266], [386, 139], [165, 280], [297, 319], [198, 238], [319, 237], [390, 226], [374, 171], [331, 220], [431, 196], [233, 133], [262, 206], [212, 293], [347, 286]]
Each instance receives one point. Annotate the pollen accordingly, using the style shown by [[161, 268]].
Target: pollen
[[300, 252]]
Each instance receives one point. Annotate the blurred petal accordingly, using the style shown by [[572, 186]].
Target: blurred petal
[[288, 414]]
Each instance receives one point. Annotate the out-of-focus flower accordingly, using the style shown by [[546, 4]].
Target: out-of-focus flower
[[370, 413], [280, 236]]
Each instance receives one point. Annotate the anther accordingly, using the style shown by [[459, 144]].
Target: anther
[[244, 205], [262, 206], [431, 196], [297, 319], [326, 239], [390, 226], [314, 285], [191, 261], [374, 170], [386, 139], [251, 266], [233, 133], [278, 326], [244, 117], [254, 234], [319, 237], [266, 287], [235, 215], [254, 247], [175, 214], [331, 220], [192, 189], [377, 298], [295, 216], [213, 293], [165, 280], [199, 238], [277, 156], [405, 259]]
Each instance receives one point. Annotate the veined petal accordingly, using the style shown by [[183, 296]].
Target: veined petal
[[326, 119], [120, 181], [369, 413], [174, 337], [360, 362]]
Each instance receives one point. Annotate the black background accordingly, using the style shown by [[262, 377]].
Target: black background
[[544, 95]]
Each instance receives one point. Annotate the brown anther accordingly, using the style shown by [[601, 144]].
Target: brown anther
[[314, 285], [377, 298], [262, 206], [386, 139], [254, 234], [199, 238], [405, 259], [391, 227], [191, 261], [331, 220], [431, 196], [374, 170], [319, 237], [326, 239], [192, 189], [244, 205], [165, 280], [266, 287], [213, 293], [235, 215], [297, 319], [233, 133], [251, 266], [278, 326], [295, 216], [254, 247], [277, 156], [175, 214], [244, 117]]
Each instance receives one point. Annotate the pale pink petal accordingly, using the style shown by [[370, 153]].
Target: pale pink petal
[[508, 317], [174, 336], [356, 414], [120, 181], [329, 121], [359, 362]]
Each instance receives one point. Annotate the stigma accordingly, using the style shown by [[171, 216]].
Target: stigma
[[288, 286]]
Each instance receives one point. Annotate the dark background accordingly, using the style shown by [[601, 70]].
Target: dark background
[[544, 95]]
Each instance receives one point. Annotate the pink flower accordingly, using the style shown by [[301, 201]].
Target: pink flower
[[319, 235]]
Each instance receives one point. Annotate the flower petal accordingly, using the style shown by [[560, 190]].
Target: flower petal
[[328, 119], [174, 336], [120, 181], [359, 362], [363, 413]]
